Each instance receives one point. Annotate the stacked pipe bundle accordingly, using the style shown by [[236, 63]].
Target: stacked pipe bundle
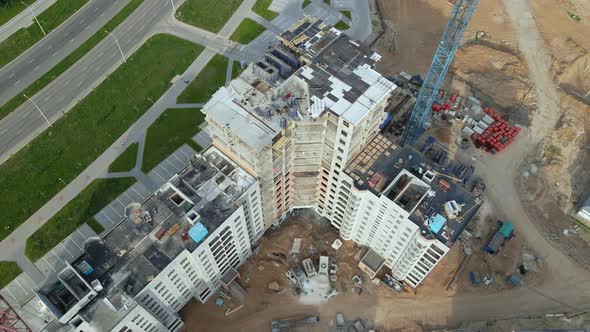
[[498, 134]]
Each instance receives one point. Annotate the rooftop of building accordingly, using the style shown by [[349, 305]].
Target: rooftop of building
[[417, 184], [202, 195], [314, 69]]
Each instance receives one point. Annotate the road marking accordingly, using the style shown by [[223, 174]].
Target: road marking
[[36, 68], [17, 83], [3, 131], [87, 27], [25, 115], [101, 53], [101, 15], [71, 40], [19, 131], [80, 84], [67, 82], [11, 75], [96, 69], [95, 9], [82, 21], [85, 67], [60, 99], [54, 53], [51, 266], [66, 34]]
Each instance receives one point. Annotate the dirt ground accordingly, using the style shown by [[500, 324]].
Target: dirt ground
[[557, 322], [493, 69], [264, 267]]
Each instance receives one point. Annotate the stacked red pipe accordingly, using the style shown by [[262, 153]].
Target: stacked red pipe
[[497, 136]]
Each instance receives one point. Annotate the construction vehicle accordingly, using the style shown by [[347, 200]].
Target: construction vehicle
[[505, 232], [443, 57]]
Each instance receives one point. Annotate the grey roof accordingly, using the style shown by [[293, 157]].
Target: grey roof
[[127, 258], [382, 159]]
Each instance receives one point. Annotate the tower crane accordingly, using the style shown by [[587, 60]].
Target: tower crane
[[460, 16]]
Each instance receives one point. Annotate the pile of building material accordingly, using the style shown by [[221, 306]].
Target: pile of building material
[[290, 323], [492, 133]]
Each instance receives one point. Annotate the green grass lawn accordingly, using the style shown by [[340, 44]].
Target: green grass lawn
[[175, 127], [68, 61], [126, 160], [347, 13], [236, 69], [207, 14], [305, 3], [11, 8], [341, 25], [211, 78], [247, 31], [261, 8], [8, 271], [50, 19], [31, 177], [78, 211]]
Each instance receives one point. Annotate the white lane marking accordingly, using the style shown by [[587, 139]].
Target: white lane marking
[[17, 83], [54, 53], [36, 68], [30, 61], [66, 34], [80, 84], [3, 131], [11, 75], [101, 53], [82, 21], [25, 115], [71, 40], [95, 9], [67, 82], [101, 15], [85, 67], [19, 131]]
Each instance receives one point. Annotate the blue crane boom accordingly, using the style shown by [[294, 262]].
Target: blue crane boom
[[460, 16]]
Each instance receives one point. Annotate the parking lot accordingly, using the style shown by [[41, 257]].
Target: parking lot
[[171, 165], [112, 214], [66, 251], [202, 137]]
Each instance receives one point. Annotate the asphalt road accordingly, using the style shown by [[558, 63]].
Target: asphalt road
[[24, 18], [25, 123], [59, 43]]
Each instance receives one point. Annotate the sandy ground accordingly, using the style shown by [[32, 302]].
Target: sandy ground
[[263, 304], [506, 71]]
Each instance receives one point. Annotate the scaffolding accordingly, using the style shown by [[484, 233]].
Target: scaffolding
[[10, 321]]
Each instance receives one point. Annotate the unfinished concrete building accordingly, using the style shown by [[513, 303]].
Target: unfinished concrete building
[[397, 202], [295, 118], [185, 241]]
